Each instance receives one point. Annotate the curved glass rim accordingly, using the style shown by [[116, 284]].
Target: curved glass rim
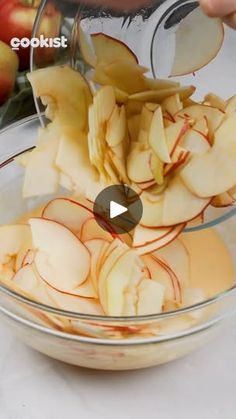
[[76, 315]]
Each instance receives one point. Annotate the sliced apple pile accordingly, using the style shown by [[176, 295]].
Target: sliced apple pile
[[63, 259]]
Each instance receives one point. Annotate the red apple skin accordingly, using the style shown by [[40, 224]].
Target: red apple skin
[[17, 19], [8, 69]]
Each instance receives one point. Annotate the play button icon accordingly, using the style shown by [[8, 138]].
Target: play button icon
[[118, 209]]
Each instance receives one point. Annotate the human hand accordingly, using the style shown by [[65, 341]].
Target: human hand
[[226, 9]]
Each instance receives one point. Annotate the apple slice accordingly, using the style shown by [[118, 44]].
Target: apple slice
[[72, 214], [176, 256], [216, 101], [146, 185], [12, 240], [134, 127], [150, 297], [116, 127], [195, 142], [158, 96], [97, 248], [75, 304], [63, 86], [223, 200], [108, 49], [87, 48], [194, 27], [133, 81], [141, 160], [61, 259], [121, 96], [90, 230], [27, 280], [147, 240], [41, 174], [206, 166], [172, 105], [231, 105], [174, 134], [108, 261], [180, 205], [105, 101], [202, 126], [196, 112], [180, 156], [73, 160], [29, 258], [162, 272], [152, 210], [157, 138]]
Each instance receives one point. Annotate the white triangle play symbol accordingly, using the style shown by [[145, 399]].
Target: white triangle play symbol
[[116, 209]]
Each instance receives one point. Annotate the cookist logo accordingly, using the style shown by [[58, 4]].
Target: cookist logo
[[41, 42]]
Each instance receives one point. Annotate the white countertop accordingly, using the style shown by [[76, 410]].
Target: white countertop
[[200, 386]]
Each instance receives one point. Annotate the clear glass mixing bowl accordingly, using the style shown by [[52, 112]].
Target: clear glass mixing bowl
[[109, 343]]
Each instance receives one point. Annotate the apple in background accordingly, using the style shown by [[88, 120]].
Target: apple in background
[[17, 19], [8, 69]]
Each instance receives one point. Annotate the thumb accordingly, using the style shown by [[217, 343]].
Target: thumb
[[218, 8]]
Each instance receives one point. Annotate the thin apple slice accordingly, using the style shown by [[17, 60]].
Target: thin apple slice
[[159, 95], [147, 240], [216, 101], [141, 160], [157, 138], [27, 280], [41, 174], [180, 156], [63, 86], [108, 49], [71, 214], [12, 240], [61, 258], [177, 257], [105, 103], [160, 271], [206, 166], [90, 230], [134, 127], [150, 297], [133, 81], [116, 127], [123, 275], [196, 112], [75, 304], [146, 185], [231, 105], [29, 258], [202, 126], [180, 205], [87, 48], [195, 142], [97, 248], [174, 134], [152, 210], [121, 96], [172, 105], [192, 27], [109, 259], [223, 200]]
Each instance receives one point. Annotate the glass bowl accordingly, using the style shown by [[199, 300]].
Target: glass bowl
[[149, 32], [108, 343]]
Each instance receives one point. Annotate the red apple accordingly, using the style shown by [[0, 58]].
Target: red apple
[[8, 68], [17, 20]]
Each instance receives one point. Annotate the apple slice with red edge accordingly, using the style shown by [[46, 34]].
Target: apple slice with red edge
[[163, 273], [96, 247], [108, 49], [61, 258], [91, 230], [174, 134], [223, 200], [148, 240], [139, 159], [158, 96], [72, 214], [172, 105], [194, 27], [195, 142], [157, 139]]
